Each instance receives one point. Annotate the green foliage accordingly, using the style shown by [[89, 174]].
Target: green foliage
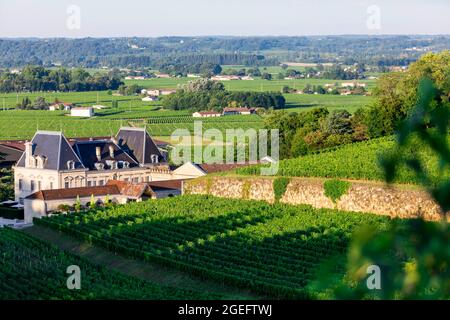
[[77, 205], [354, 161], [397, 93], [335, 189], [246, 189], [64, 207], [416, 129], [219, 99], [270, 249], [413, 257], [31, 269], [279, 187], [92, 203], [6, 184], [37, 78], [11, 213]]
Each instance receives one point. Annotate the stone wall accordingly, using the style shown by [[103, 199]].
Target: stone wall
[[395, 201]]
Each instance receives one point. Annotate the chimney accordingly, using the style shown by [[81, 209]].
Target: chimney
[[98, 153], [29, 161], [111, 151]]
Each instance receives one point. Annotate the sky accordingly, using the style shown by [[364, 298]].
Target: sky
[[153, 18]]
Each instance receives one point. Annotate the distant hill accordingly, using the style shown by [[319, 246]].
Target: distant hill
[[146, 52]]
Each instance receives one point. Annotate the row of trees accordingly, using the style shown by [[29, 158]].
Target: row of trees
[[205, 69], [36, 78], [204, 94]]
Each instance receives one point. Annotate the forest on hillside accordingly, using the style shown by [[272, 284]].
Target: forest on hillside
[[250, 51]]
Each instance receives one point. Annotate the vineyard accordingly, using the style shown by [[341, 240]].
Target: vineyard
[[272, 250], [32, 269], [25, 127], [353, 161]]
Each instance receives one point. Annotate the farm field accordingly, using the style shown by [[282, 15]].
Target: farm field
[[305, 102], [32, 269], [272, 250], [245, 85], [354, 161], [86, 98], [131, 111], [22, 124]]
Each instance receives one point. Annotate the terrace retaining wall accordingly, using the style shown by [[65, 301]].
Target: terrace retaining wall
[[370, 197]]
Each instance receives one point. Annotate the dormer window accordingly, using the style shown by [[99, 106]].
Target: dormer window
[[40, 162], [70, 165], [99, 166], [154, 158], [126, 164], [111, 164]]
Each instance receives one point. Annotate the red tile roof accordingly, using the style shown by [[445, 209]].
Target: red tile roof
[[208, 112], [112, 187], [240, 109], [132, 190], [167, 184], [71, 193]]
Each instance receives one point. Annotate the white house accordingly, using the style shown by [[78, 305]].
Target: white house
[[206, 114], [60, 106], [149, 98], [99, 107], [239, 110], [86, 112]]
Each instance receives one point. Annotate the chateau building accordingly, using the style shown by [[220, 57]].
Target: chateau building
[[50, 162]]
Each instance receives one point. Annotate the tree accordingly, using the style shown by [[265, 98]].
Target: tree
[[266, 76], [338, 122], [77, 205], [40, 103], [92, 203], [397, 93]]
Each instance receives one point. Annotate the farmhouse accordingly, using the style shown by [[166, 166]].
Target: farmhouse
[[206, 114], [60, 106], [241, 110], [353, 85], [163, 75], [149, 99], [158, 92], [225, 78], [86, 112]]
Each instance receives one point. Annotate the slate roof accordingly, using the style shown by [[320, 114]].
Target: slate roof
[[138, 144], [133, 145], [87, 152], [55, 147], [9, 154]]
